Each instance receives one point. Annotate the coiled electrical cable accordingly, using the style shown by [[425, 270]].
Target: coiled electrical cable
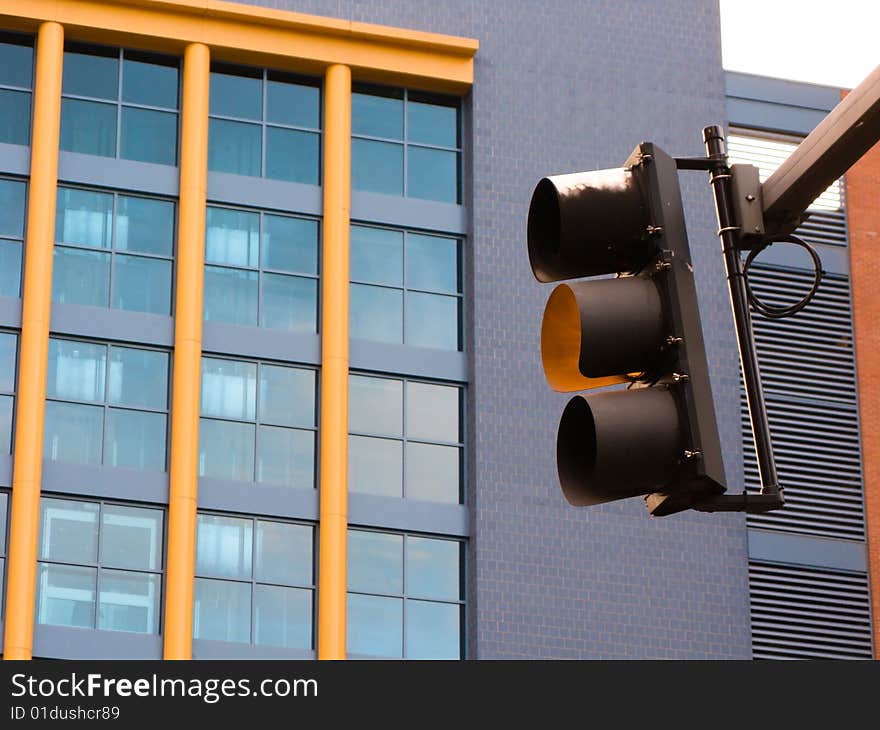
[[776, 312]]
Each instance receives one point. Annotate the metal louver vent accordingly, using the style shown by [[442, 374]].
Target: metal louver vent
[[824, 227], [809, 613]]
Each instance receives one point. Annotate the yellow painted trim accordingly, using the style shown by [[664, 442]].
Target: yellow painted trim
[[261, 36], [333, 526], [34, 347], [187, 354]]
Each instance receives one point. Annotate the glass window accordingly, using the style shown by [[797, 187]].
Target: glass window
[[258, 422], [16, 79], [118, 103], [100, 566], [106, 404], [405, 439], [254, 581], [4, 510], [8, 359], [264, 124], [12, 211], [113, 250]]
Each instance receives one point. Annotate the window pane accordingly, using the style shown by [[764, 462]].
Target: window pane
[[145, 225], [432, 174], [287, 396], [229, 388], [226, 450], [16, 64], [222, 610], [66, 595], [138, 377], [377, 166], [88, 127], [292, 155], [432, 412], [91, 74], [234, 95], [5, 425], [81, 277], [234, 147], [290, 244], [375, 562], [432, 473], [142, 285], [375, 405], [432, 124], [129, 602], [76, 370], [131, 537], [432, 263], [283, 617], [284, 553], [286, 456], [295, 104], [224, 546], [73, 433], [10, 269], [3, 512], [374, 626], [231, 296], [15, 116], [377, 116], [431, 321], [68, 530], [376, 313], [136, 439], [375, 466], [149, 136], [8, 343], [433, 568], [84, 218], [12, 196], [433, 630], [150, 84], [232, 238], [289, 303], [377, 255]]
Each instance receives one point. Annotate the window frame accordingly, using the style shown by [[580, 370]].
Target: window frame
[[13, 38]]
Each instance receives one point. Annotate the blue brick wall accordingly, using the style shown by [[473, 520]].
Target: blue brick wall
[[563, 86]]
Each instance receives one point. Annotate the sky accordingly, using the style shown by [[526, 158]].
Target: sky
[[830, 42]]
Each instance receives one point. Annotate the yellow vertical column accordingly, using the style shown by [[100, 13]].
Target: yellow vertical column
[[187, 354], [334, 364], [36, 304]]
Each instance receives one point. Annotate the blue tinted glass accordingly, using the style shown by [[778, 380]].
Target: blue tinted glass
[[10, 269], [431, 321], [375, 466], [68, 530], [150, 84], [376, 255], [131, 537], [375, 562], [142, 285], [16, 64], [7, 361], [221, 610], [374, 626], [283, 617], [377, 116], [295, 104], [432, 568], [129, 602], [12, 195], [234, 147], [229, 388], [88, 127], [84, 218], [432, 263], [375, 405], [15, 117], [377, 166], [81, 277], [66, 595], [290, 303], [433, 630], [290, 244], [5, 425], [226, 450], [287, 396], [376, 313], [224, 546], [432, 473], [432, 124], [135, 439], [432, 174], [144, 225], [232, 237], [284, 553], [149, 136], [76, 370], [286, 456], [230, 296], [432, 412], [138, 378], [91, 75], [292, 155], [236, 96], [73, 433]]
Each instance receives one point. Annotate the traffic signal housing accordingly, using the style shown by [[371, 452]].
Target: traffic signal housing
[[658, 437]]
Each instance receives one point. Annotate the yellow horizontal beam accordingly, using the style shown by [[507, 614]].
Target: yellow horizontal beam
[[260, 36]]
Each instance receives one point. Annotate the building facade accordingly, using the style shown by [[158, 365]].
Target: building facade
[[269, 370]]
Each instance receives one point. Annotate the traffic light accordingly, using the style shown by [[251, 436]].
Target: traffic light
[[657, 437]]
